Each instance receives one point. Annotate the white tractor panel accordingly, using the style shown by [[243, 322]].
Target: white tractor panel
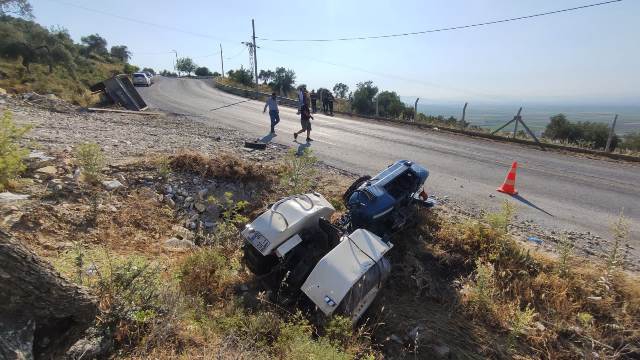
[[342, 267], [284, 219]]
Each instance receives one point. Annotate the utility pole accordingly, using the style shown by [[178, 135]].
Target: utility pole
[[255, 56], [611, 133], [221, 61]]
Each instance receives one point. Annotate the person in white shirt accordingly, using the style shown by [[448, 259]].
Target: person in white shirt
[[274, 114]]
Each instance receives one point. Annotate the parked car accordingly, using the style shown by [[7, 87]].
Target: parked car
[[141, 79]]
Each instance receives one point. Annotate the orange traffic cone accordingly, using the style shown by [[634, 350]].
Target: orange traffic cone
[[509, 185]]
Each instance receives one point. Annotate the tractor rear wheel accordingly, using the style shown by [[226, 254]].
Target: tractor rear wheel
[[356, 184], [256, 262]]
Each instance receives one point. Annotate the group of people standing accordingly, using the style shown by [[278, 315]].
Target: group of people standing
[[307, 104], [326, 97]]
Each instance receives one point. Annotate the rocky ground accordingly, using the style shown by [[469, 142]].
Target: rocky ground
[[58, 126]]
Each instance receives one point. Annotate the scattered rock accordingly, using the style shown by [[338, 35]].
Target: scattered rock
[[11, 197], [202, 194], [39, 158], [29, 96], [111, 184], [168, 189], [200, 207], [3, 92], [169, 201], [179, 244], [92, 347], [182, 233], [47, 171]]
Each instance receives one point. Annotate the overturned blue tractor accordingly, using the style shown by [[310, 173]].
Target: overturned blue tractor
[[338, 267]]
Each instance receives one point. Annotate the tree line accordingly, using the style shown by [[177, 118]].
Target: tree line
[[187, 65], [31, 43]]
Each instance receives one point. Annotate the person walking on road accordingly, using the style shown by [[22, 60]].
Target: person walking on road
[[274, 114], [330, 102], [323, 96], [314, 99], [305, 116]]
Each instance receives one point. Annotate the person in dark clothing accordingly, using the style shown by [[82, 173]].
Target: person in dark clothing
[[325, 106], [330, 102], [314, 99], [305, 116]]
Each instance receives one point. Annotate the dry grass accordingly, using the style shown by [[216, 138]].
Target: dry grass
[[139, 223], [507, 280], [223, 166]]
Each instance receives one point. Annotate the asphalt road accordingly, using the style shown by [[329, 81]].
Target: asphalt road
[[558, 191]]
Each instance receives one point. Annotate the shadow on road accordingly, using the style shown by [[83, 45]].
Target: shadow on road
[[301, 147], [267, 138], [529, 203]]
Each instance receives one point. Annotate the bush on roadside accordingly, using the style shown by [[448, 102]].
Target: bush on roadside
[[509, 290], [225, 166], [91, 160], [298, 171], [11, 153], [587, 134], [207, 273], [632, 141]]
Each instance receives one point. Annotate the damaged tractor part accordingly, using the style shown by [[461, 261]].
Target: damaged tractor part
[[338, 269], [120, 90]]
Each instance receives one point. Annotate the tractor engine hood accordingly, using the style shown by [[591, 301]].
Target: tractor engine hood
[[358, 257], [284, 219]]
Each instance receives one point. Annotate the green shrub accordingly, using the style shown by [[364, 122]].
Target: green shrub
[[587, 134], [632, 141], [295, 342], [299, 171], [207, 273], [481, 291], [128, 290], [241, 76], [565, 252], [11, 153], [519, 322], [339, 330], [616, 257], [500, 221], [91, 160]]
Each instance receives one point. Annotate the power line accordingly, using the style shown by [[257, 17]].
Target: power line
[[139, 21], [384, 75], [446, 28]]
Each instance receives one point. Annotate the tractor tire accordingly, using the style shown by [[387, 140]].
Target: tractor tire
[[256, 262], [356, 184]]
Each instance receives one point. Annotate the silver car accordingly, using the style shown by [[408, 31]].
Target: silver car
[[140, 79]]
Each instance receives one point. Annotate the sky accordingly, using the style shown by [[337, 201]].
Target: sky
[[588, 56]]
